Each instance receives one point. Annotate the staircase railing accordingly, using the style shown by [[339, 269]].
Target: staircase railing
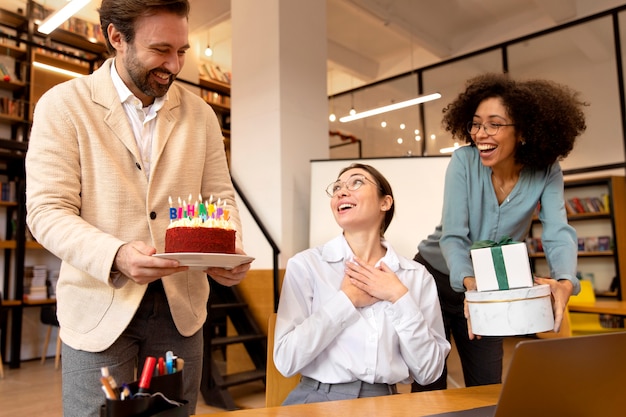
[[270, 241]]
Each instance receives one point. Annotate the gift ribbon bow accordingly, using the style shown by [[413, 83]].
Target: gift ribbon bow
[[498, 258]]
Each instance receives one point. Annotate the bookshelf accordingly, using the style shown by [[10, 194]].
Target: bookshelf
[[216, 93], [601, 233], [73, 47]]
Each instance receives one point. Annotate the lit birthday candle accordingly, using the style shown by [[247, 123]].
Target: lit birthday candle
[[220, 210], [173, 212], [190, 208], [226, 212], [211, 207], [203, 212], [180, 209]]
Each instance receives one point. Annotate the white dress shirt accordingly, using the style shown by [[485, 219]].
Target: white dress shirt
[[142, 119], [320, 334]]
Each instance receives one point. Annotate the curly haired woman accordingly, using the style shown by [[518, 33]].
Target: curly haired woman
[[517, 131]]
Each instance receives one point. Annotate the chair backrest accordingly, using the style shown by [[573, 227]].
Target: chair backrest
[[277, 386], [586, 294]]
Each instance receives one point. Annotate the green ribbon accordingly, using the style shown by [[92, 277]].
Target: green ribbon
[[498, 258]]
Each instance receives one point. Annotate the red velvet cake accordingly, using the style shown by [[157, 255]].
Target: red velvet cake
[[199, 228], [199, 239]]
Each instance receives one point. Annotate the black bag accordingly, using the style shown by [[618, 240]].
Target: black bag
[[162, 388]]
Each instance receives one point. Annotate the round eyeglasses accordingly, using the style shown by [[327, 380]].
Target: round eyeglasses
[[490, 128], [352, 184]]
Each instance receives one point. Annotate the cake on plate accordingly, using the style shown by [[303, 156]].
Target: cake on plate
[[202, 227]]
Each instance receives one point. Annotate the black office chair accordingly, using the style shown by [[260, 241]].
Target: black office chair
[[49, 317]]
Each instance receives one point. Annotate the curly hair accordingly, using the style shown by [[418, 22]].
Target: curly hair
[[123, 13], [547, 115]]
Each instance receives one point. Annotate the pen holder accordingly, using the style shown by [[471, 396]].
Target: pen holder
[[170, 386]]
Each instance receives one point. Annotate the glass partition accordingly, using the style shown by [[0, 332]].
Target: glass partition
[[449, 81], [582, 55]]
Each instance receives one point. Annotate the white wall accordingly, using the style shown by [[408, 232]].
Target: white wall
[[417, 185]]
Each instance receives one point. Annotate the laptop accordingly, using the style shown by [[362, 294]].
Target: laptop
[[581, 376]]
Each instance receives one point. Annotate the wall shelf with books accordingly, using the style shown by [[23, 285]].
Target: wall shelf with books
[[216, 93], [597, 210], [79, 47]]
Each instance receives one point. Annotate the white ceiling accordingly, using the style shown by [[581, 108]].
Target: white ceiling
[[369, 40]]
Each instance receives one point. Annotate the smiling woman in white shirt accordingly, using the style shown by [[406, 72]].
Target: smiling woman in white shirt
[[354, 317]]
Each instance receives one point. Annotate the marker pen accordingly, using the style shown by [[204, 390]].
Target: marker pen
[[106, 387], [105, 373], [146, 374], [169, 361], [161, 366]]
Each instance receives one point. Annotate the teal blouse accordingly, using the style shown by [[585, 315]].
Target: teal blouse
[[471, 212]]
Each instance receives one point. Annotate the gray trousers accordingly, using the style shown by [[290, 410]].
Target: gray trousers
[[151, 332], [310, 390]]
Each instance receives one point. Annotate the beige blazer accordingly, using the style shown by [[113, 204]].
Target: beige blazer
[[87, 195]]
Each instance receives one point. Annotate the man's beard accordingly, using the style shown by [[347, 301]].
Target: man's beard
[[142, 81]]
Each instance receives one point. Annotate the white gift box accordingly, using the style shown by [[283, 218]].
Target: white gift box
[[493, 272], [514, 312]]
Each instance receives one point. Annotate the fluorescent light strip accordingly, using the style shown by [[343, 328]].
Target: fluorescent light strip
[[57, 18], [450, 149], [57, 70], [395, 106]]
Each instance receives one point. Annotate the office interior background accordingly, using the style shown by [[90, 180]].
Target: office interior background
[[380, 52]]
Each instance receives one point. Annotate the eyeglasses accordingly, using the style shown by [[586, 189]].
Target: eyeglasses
[[490, 128], [352, 184]]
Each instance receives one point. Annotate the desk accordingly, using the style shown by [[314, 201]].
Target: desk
[[617, 308], [416, 404], [17, 307]]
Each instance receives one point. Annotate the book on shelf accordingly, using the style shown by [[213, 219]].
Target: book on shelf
[[604, 243], [577, 205], [35, 284], [8, 192], [214, 72], [591, 244]]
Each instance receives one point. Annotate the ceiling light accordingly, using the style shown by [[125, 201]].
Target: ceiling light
[[57, 18], [450, 149], [208, 51], [332, 117], [383, 124], [391, 107]]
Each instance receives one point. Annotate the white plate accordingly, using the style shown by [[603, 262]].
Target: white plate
[[205, 260]]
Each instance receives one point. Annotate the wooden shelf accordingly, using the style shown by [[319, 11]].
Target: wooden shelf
[[12, 20], [11, 244], [12, 85], [77, 41], [219, 107], [70, 64], [11, 50], [11, 119], [45, 301], [10, 303], [215, 85]]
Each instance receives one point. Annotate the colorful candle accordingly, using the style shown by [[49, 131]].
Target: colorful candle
[[172, 210]]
